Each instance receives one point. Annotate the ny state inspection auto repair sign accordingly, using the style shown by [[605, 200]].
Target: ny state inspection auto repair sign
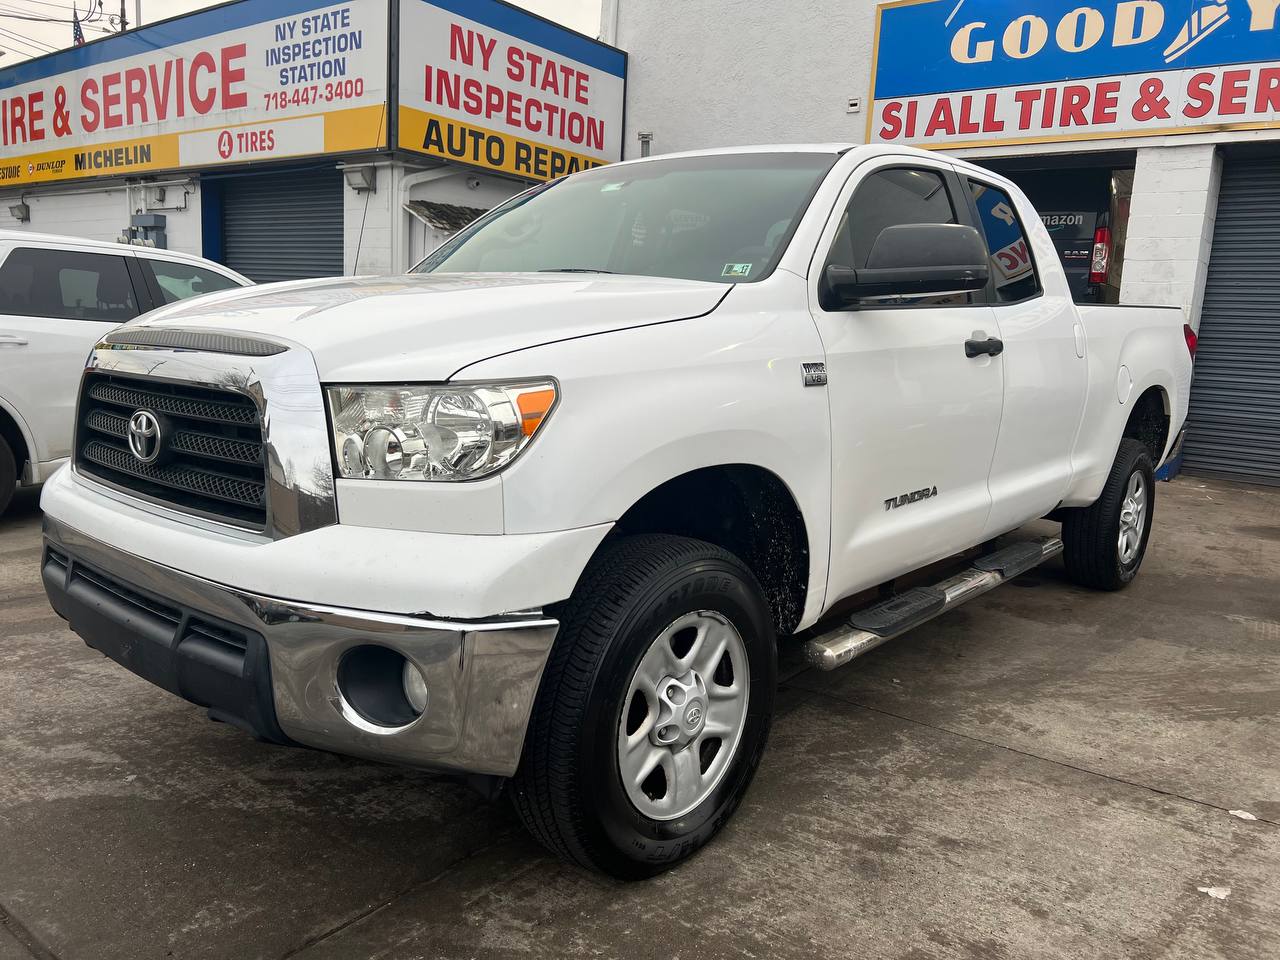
[[487, 84], [244, 81], [985, 72], [480, 82]]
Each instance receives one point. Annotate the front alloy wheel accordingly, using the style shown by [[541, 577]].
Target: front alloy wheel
[[654, 707], [685, 712]]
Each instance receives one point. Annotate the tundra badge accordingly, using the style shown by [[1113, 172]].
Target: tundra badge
[[815, 374]]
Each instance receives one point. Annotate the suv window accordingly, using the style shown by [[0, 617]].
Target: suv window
[[178, 281], [67, 285], [1013, 269], [887, 198]]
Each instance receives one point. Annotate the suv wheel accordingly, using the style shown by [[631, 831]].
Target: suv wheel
[[654, 708], [1105, 542]]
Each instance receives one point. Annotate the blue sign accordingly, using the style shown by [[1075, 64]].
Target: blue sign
[[944, 46]]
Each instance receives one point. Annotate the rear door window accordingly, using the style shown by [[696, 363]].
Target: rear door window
[[176, 281], [1013, 269], [67, 284]]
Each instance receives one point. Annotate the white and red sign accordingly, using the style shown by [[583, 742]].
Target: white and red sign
[[258, 79], [487, 84]]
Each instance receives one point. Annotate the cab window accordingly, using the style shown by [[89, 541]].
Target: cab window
[[1013, 269], [887, 198]]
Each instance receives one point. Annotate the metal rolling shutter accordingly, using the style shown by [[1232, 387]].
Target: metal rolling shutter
[[284, 226], [1233, 428]]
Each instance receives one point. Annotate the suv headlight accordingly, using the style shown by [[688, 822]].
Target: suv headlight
[[446, 432]]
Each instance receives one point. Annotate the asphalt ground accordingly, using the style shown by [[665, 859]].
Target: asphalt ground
[[1045, 772]]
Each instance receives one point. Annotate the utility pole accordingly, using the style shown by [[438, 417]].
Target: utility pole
[[124, 19]]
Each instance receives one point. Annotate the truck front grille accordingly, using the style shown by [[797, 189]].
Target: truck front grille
[[210, 450]]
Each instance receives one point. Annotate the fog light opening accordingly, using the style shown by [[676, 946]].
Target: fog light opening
[[415, 688], [381, 687]]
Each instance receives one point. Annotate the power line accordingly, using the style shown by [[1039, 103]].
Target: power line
[[31, 42]]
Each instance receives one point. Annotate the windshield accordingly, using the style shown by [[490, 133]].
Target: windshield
[[725, 218]]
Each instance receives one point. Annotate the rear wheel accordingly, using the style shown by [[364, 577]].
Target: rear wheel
[[654, 708], [8, 475], [1105, 542]]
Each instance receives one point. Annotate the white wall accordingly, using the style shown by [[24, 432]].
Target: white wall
[[1171, 220], [102, 213]]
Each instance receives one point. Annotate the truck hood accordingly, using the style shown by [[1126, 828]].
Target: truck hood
[[429, 326]]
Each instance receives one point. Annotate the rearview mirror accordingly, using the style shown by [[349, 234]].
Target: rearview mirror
[[911, 260]]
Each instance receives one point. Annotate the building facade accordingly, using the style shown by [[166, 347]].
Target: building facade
[[1146, 132], [300, 138]]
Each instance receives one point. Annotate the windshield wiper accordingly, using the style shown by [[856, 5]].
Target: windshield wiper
[[573, 270]]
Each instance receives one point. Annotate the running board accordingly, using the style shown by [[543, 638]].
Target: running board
[[868, 628]]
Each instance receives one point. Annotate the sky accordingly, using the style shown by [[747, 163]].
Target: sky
[[22, 38]]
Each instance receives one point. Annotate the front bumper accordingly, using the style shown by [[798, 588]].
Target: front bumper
[[272, 666]]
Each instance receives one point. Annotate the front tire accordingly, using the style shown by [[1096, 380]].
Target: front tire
[[654, 708], [8, 475], [1105, 542]]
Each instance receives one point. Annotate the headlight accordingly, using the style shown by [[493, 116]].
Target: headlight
[[446, 432]]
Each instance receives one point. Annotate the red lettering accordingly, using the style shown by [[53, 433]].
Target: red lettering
[[1268, 90], [91, 116], [990, 122], [233, 73], [1074, 99], [967, 123], [892, 122], [110, 100], [1104, 103], [1026, 100], [159, 90], [135, 94], [35, 114], [1199, 95], [941, 119], [1233, 92], [202, 62]]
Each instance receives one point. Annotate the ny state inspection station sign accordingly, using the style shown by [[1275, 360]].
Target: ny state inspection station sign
[[990, 72], [479, 82]]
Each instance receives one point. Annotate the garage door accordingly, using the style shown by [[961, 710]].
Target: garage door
[[284, 226], [1234, 423]]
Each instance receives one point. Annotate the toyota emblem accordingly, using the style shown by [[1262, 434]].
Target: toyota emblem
[[144, 436]]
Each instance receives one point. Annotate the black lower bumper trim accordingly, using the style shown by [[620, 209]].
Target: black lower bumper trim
[[216, 665]]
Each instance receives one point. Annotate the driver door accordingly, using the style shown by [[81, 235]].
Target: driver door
[[914, 420]]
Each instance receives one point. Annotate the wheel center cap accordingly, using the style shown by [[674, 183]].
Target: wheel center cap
[[693, 717], [682, 710]]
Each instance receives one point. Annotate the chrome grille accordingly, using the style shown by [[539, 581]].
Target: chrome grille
[[211, 450]]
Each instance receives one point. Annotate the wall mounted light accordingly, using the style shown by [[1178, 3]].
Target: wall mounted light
[[361, 179], [21, 212]]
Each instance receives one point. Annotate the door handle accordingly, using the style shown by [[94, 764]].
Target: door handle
[[990, 347], [8, 340]]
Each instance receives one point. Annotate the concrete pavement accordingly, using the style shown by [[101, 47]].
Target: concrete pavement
[[1046, 772]]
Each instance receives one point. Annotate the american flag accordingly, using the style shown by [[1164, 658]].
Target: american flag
[[77, 35]]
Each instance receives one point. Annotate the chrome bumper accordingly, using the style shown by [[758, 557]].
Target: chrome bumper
[[481, 676]]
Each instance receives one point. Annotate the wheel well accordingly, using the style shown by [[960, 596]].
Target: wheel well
[[13, 437], [1149, 422], [748, 511]]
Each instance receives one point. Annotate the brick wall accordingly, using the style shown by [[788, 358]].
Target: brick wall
[[1171, 218]]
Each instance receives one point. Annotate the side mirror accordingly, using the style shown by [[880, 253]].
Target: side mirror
[[910, 260]]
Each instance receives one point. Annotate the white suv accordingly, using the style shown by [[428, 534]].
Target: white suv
[[58, 297]]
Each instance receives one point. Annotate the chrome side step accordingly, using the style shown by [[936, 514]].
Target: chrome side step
[[867, 629]]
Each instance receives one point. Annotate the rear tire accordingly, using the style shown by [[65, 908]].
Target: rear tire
[[8, 475], [1105, 542], [649, 607]]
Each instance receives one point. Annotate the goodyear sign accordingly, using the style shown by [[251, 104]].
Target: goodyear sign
[[487, 84], [985, 72], [254, 80]]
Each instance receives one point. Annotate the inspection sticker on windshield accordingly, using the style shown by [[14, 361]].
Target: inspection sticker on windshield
[[736, 270]]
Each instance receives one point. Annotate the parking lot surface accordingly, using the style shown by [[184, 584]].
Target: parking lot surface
[[1046, 772]]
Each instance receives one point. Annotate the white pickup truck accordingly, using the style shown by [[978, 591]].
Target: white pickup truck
[[541, 511]]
